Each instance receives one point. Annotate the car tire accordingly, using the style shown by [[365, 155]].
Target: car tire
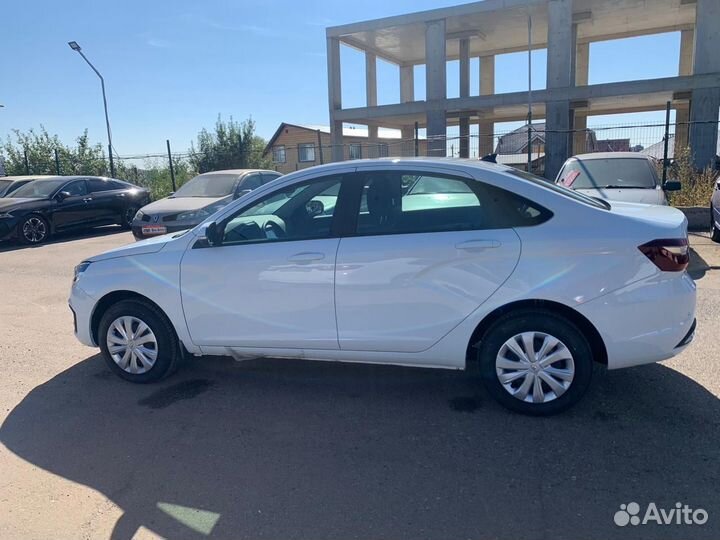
[[562, 364], [715, 237], [128, 217], [33, 229], [153, 350]]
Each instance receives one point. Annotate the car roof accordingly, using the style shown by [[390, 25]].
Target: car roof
[[611, 155], [240, 172], [27, 177]]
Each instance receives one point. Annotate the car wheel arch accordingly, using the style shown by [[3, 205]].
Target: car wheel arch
[[584, 325]]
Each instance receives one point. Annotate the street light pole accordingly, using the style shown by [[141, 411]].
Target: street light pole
[[75, 47]]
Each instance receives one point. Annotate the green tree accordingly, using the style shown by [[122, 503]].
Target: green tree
[[40, 147], [232, 145]]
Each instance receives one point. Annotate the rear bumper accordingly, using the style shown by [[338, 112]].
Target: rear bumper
[[648, 321]]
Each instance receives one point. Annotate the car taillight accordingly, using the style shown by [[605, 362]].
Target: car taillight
[[669, 255]]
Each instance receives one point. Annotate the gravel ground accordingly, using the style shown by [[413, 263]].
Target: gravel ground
[[289, 449]]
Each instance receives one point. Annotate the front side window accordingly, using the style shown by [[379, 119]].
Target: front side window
[[278, 154], [299, 212], [355, 151], [306, 152], [76, 188], [252, 181], [402, 203]]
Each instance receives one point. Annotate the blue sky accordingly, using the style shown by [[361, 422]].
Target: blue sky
[[171, 67]]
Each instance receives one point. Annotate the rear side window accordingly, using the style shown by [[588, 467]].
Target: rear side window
[[402, 203], [98, 184]]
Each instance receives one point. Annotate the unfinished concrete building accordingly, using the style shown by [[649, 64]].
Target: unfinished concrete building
[[565, 28]]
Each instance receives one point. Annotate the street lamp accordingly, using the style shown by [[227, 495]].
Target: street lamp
[[75, 47]]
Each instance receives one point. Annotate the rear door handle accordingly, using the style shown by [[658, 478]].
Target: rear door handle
[[306, 257], [477, 245]]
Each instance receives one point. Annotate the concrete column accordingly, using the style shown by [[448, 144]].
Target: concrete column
[[706, 101], [581, 68], [436, 87], [371, 90], [464, 92], [682, 111], [559, 68], [486, 130], [334, 98], [407, 94]]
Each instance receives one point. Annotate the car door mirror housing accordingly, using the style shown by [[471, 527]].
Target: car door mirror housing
[[213, 234], [242, 192], [61, 196], [672, 185]]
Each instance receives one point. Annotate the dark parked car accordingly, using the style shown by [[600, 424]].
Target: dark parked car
[[40, 208], [196, 200], [8, 184]]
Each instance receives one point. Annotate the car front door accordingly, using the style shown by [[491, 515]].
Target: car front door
[[73, 207], [270, 284], [425, 255]]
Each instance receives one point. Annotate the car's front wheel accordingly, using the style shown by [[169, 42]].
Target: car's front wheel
[[34, 229], [138, 342], [535, 362], [715, 231]]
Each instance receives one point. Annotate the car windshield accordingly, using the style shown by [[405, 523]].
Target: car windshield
[[608, 173], [38, 189], [560, 189], [208, 185], [4, 184]]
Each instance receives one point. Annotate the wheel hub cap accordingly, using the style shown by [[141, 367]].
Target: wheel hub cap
[[132, 344], [34, 230], [535, 367]]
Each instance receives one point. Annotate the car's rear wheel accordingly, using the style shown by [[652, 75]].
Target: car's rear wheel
[[138, 342], [34, 229], [535, 362], [128, 217]]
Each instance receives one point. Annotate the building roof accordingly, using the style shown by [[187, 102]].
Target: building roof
[[515, 141], [517, 159], [657, 150]]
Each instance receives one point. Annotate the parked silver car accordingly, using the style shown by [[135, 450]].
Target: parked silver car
[[618, 176], [715, 212], [197, 199]]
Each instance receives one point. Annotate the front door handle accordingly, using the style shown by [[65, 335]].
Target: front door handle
[[306, 257], [87, 199], [477, 245]]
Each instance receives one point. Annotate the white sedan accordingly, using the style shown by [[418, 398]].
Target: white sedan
[[416, 262]]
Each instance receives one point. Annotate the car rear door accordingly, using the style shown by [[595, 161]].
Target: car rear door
[[107, 202], [424, 256]]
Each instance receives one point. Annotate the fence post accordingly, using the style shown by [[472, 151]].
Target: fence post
[[322, 161], [417, 146], [27, 163], [57, 163], [172, 169], [667, 136]]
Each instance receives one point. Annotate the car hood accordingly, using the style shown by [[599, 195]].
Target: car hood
[[180, 204], [633, 195], [143, 247], [7, 204]]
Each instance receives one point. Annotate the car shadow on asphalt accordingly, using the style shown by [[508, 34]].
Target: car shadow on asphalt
[[59, 238], [293, 449], [698, 266]]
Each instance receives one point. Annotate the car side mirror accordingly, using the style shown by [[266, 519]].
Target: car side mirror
[[672, 185], [242, 192], [213, 234], [63, 195]]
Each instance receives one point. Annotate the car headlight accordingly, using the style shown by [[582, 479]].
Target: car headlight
[[139, 215], [79, 269]]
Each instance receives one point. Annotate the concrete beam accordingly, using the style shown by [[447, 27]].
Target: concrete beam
[[561, 47], [581, 69], [436, 87], [477, 103], [371, 89], [687, 52], [407, 84], [334, 98], [706, 101], [365, 47], [464, 92]]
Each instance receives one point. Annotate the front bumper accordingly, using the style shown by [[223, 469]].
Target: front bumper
[[647, 321], [82, 305]]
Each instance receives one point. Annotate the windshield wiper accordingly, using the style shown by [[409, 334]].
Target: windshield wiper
[[613, 186]]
